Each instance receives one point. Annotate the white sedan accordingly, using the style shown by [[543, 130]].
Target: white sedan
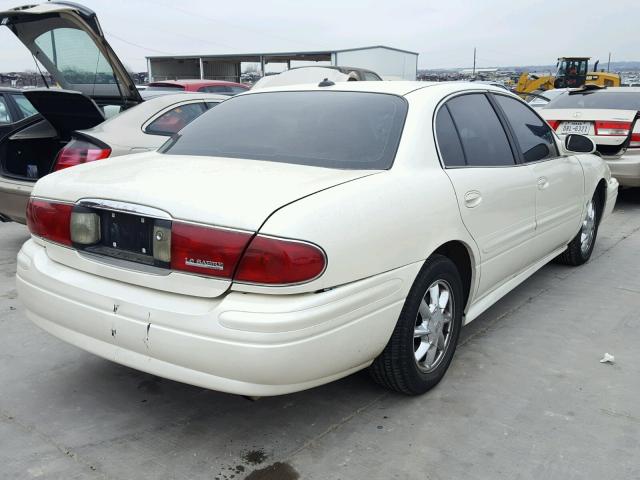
[[292, 236], [609, 116]]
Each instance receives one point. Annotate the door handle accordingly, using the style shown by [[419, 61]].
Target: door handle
[[543, 183], [472, 199]]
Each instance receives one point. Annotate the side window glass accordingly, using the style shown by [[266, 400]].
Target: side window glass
[[448, 141], [175, 119], [24, 105], [4, 111], [532, 133], [484, 141]]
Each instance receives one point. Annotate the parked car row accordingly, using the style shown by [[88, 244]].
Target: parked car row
[[346, 225]]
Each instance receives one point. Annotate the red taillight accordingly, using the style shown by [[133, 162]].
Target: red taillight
[[635, 140], [275, 261], [77, 152], [205, 250], [50, 220], [554, 124], [609, 128]]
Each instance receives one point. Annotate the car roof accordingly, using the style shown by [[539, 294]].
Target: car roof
[[401, 88], [9, 90], [195, 82], [606, 90]]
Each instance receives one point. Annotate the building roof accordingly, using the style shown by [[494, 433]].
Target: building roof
[[293, 55]]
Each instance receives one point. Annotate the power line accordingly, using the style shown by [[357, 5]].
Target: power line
[[137, 45]]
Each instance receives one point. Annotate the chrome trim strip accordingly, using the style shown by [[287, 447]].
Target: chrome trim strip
[[124, 207]]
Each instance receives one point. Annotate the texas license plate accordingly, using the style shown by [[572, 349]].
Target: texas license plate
[[581, 128]]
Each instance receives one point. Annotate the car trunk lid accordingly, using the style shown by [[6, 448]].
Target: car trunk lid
[[67, 39], [232, 194]]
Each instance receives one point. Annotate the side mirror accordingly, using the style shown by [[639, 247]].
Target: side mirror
[[579, 144]]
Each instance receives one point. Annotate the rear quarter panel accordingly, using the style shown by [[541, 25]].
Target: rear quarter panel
[[374, 224]]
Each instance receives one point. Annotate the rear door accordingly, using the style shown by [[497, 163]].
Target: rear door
[[68, 40], [559, 178], [496, 196]]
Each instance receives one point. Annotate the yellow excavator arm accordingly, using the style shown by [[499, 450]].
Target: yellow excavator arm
[[528, 83]]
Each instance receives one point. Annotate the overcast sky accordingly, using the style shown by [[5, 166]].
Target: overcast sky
[[506, 32]]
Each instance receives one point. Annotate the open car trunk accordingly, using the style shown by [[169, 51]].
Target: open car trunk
[[67, 39], [30, 153]]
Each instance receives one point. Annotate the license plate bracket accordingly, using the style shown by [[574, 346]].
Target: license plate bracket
[[128, 236]]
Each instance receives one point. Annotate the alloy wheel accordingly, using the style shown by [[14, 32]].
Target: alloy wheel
[[434, 327]]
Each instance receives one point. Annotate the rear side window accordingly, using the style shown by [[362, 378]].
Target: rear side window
[[175, 119], [24, 105], [348, 130], [448, 141], [484, 141], [532, 133], [4, 111]]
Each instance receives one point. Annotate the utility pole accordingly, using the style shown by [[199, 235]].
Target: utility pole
[[609, 62], [474, 61]]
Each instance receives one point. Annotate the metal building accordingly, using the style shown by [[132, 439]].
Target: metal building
[[390, 63]]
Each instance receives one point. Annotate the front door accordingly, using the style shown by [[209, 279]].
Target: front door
[[559, 179]]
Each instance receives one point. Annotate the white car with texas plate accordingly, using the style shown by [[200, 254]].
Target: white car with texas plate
[[344, 226], [607, 116]]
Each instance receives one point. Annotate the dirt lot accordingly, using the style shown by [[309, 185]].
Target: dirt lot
[[525, 398]]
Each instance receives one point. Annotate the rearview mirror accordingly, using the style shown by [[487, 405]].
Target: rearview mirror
[[579, 144]]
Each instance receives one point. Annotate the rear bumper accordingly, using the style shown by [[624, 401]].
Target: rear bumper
[[626, 168], [14, 196], [249, 344]]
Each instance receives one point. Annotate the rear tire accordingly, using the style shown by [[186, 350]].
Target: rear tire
[[424, 340], [580, 248]]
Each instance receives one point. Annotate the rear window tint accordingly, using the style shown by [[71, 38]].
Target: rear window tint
[[348, 130], [595, 99], [164, 88]]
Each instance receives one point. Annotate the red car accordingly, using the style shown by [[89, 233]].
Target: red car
[[210, 86]]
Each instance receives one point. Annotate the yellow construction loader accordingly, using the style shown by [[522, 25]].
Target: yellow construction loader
[[572, 72]]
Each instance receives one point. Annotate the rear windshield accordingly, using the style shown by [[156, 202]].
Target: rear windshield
[[347, 130], [164, 88], [605, 100]]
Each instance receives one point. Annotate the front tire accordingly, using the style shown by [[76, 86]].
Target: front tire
[[424, 340], [580, 248]]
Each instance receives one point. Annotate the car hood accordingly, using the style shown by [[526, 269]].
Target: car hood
[[67, 39], [217, 191]]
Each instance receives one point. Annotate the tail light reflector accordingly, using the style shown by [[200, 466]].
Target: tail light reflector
[[607, 128], [554, 124], [635, 140], [50, 220], [77, 152], [207, 251], [274, 261]]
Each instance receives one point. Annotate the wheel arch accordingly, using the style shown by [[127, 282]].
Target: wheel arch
[[601, 191], [462, 256]]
